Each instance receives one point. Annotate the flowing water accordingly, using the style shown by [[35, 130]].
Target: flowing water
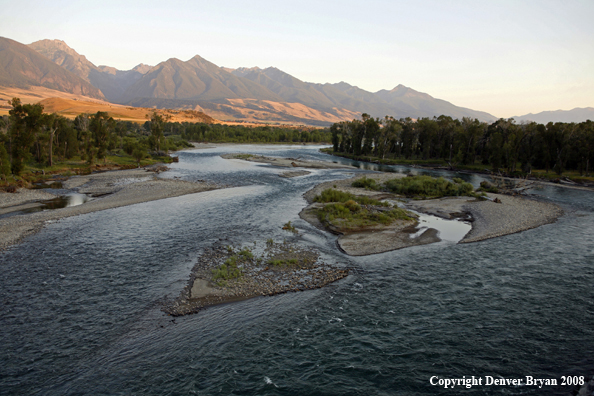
[[80, 300]]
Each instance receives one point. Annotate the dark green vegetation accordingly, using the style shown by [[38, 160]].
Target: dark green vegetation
[[289, 256], [348, 212], [503, 146], [419, 186], [276, 255], [332, 195], [221, 133], [228, 270], [488, 187], [35, 142], [240, 273]]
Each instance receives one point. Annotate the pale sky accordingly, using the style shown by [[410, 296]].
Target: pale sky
[[503, 57]]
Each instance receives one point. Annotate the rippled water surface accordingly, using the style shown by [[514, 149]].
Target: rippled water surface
[[80, 311]]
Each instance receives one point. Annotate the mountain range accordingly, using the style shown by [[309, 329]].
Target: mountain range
[[578, 114], [248, 94]]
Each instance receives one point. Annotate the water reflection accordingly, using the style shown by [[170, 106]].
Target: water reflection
[[449, 230]]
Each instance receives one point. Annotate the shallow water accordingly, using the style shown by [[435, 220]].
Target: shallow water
[[80, 310], [65, 198], [448, 230]]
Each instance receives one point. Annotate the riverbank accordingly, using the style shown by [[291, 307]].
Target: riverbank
[[560, 181], [497, 216], [109, 189]]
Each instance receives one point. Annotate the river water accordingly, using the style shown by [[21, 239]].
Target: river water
[[80, 300]]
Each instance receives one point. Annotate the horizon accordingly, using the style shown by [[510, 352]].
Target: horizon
[[544, 50]]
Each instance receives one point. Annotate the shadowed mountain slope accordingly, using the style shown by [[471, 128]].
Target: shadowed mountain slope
[[21, 66], [112, 82]]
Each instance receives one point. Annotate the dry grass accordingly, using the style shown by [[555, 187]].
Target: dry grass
[[70, 105], [253, 110]]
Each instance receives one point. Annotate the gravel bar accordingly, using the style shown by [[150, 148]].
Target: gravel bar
[[115, 188]]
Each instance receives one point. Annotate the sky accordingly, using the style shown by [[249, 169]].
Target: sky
[[507, 58]]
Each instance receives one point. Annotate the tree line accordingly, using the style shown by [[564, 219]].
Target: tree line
[[28, 134], [200, 132], [504, 145]]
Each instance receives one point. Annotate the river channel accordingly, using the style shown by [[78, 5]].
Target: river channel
[[81, 300]]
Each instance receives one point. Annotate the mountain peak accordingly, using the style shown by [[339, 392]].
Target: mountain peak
[[248, 69], [399, 87], [142, 68]]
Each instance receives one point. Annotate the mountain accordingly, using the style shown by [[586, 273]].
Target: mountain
[[195, 79], [579, 114], [289, 88], [400, 102], [407, 100], [22, 67], [112, 82], [253, 94]]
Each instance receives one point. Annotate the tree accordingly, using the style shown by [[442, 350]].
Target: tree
[[51, 122], [139, 153], [26, 122], [157, 126], [4, 162], [100, 126]]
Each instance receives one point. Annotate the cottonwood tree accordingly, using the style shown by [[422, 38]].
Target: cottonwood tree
[[26, 122], [157, 126], [100, 126]]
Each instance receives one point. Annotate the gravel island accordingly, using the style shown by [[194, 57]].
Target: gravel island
[[224, 274], [490, 218]]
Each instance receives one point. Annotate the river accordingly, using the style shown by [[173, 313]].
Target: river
[[80, 311]]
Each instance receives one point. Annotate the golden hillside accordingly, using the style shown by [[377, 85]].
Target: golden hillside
[[70, 105]]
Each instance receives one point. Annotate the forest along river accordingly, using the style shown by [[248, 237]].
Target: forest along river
[[81, 299]]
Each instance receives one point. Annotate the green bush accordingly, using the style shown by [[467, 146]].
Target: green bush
[[246, 253], [427, 186], [367, 183], [331, 195], [341, 216], [227, 271], [488, 187]]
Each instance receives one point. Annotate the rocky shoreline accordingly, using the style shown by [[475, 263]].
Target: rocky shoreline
[[283, 268], [112, 189]]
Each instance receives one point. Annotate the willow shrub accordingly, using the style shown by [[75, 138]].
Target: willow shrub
[[350, 215], [427, 186], [367, 183], [332, 195]]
